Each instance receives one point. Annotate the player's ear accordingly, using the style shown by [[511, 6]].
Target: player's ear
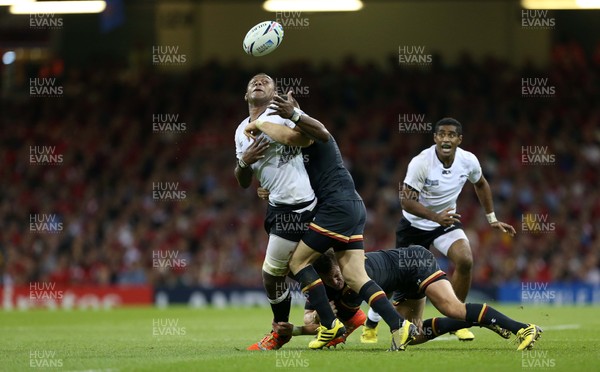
[[459, 139], [246, 97]]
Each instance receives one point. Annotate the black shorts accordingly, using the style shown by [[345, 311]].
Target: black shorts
[[285, 222], [407, 235], [339, 225], [419, 269]]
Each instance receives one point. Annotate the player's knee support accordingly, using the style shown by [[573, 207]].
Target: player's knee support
[[277, 257], [275, 268]]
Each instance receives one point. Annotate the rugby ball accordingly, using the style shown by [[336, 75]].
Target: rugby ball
[[263, 38]]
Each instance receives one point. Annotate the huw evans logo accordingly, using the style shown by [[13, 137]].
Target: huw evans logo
[[44, 291], [167, 55], [534, 292], [45, 223], [536, 19], [167, 123], [44, 359], [44, 155], [45, 21], [168, 259], [414, 55], [537, 88], [44, 87], [167, 191], [537, 155], [414, 123], [284, 85], [167, 327], [292, 20], [537, 223]]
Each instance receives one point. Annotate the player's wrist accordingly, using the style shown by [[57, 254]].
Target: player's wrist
[[242, 164], [491, 217], [297, 331], [296, 114]]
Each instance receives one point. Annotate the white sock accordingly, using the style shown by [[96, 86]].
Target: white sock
[[373, 316]]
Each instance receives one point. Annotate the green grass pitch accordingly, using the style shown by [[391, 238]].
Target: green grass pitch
[[183, 339]]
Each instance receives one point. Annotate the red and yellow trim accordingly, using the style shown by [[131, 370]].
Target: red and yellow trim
[[342, 238], [430, 279], [482, 313], [435, 332], [355, 238], [308, 287], [331, 234], [375, 296]]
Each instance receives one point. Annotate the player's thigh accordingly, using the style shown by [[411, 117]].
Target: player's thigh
[[442, 297], [352, 265], [302, 256], [412, 310], [278, 255], [455, 245]]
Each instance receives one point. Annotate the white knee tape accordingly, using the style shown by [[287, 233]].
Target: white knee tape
[[277, 257]]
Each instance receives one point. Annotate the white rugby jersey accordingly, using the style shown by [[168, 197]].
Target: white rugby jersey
[[282, 170], [439, 187]]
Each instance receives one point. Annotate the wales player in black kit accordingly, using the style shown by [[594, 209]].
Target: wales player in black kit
[[338, 223], [412, 273]]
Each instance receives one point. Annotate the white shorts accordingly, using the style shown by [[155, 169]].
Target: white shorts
[[443, 242]]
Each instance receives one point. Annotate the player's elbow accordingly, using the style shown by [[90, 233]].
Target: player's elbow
[[242, 181], [407, 205], [323, 134]]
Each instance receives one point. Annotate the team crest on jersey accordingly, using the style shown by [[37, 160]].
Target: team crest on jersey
[[286, 153], [429, 182]]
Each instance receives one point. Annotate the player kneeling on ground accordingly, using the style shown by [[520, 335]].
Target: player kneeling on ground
[[412, 274]]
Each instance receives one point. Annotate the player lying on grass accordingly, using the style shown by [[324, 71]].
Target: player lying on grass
[[412, 274]]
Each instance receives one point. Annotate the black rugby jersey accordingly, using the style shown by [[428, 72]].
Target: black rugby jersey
[[328, 177]]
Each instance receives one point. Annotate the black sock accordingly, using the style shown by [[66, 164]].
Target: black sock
[[438, 326], [376, 298], [313, 288], [486, 315], [371, 324], [281, 307]]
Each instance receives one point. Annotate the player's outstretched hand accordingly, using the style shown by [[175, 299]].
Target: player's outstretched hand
[[447, 217], [263, 193], [283, 107], [504, 227], [255, 151]]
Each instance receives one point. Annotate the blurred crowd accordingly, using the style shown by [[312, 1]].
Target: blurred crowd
[[115, 230]]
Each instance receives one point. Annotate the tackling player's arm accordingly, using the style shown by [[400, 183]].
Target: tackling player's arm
[[243, 172], [279, 133], [288, 108], [484, 194]]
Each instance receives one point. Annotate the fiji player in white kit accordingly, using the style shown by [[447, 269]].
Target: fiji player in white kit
[[433, 182], [280, 169]]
